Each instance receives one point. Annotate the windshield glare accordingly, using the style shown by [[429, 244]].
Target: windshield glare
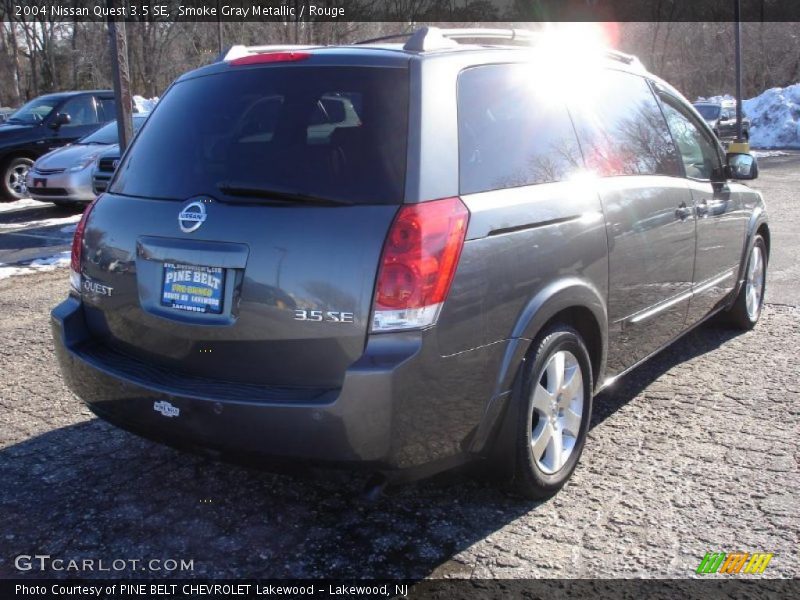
[[34, 111], [708, 111], [107, 134]]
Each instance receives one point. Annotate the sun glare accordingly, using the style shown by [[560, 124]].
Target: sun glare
[[575, 42], [569, 56]]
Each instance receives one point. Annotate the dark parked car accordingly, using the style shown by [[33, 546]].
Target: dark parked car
[[721, 117], [451, 274], [43, 125]]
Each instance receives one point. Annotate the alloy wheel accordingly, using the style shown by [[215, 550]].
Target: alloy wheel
[[16, 178], [755, 282], [558, 399]]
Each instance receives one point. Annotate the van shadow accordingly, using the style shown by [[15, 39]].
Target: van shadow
[[90, 490]]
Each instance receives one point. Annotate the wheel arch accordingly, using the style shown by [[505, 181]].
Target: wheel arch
[[763, 231], [572, 301], [10, 155], [758, 225]]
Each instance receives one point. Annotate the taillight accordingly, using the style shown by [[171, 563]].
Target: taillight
[[419, 260], [77, 247], [269, 57]]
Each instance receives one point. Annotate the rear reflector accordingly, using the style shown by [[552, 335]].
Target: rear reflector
[[77, 248], [270, 57], [419, 261]]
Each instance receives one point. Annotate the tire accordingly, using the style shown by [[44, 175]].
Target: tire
[[15, 171], [548, 413], [747, 307]]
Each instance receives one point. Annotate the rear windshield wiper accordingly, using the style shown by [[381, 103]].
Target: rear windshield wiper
[[276, 195]]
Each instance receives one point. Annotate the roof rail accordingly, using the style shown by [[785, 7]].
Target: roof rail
[[385, 38], [628, 59], [434, 38]]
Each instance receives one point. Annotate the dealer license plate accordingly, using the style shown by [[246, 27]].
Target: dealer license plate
[[193, 288]]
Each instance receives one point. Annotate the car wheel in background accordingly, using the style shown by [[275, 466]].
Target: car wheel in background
[[554, 411], [747, 307], [15, 172]]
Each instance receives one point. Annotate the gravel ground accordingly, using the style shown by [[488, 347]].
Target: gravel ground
[[695, 451]]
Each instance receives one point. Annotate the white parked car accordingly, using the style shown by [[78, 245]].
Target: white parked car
[[64, 176]]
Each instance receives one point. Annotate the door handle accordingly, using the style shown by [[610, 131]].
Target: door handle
[[683, 212]]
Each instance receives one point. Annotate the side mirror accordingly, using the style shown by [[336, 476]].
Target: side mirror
[[741, 166], [60, 119]]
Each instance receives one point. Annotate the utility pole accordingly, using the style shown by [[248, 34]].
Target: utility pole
[[122, 82], [741, 144]]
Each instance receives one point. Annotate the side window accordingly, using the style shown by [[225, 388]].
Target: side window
[[622, 130], [513, 130], [82, 110], [698, 152]]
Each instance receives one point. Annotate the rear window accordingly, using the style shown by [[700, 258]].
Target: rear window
[[336, 133]]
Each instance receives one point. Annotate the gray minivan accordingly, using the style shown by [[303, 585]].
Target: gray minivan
[[404, 256]]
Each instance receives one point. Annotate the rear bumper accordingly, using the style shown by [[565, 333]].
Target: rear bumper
[[385, 415]]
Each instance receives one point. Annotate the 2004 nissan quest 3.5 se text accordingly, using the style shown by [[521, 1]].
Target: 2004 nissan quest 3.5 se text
[[404, 256]]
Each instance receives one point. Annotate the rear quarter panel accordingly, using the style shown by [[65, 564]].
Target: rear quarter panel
[[531, 238]]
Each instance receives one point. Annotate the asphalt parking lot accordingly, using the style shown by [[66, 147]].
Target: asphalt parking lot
[[695, 451]]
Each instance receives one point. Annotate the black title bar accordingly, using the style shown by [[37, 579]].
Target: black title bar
[[445, 589], [463, 11]]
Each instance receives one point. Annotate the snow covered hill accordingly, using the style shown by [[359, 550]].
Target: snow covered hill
[[774, 117]]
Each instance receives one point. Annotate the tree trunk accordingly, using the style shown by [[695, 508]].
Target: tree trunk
[[16, 94], [74, 48]]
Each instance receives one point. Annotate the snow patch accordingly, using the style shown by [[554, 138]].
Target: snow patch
[[775, 118], [62, 259], [49, 263], [6, 272], [143, 104], [17, 204], [717, 99], [44, 223], [763, 153]]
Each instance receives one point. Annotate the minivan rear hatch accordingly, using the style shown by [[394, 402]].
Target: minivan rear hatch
[[242, 234]]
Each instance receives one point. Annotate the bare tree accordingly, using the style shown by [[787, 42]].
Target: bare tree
[[37, 56]]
